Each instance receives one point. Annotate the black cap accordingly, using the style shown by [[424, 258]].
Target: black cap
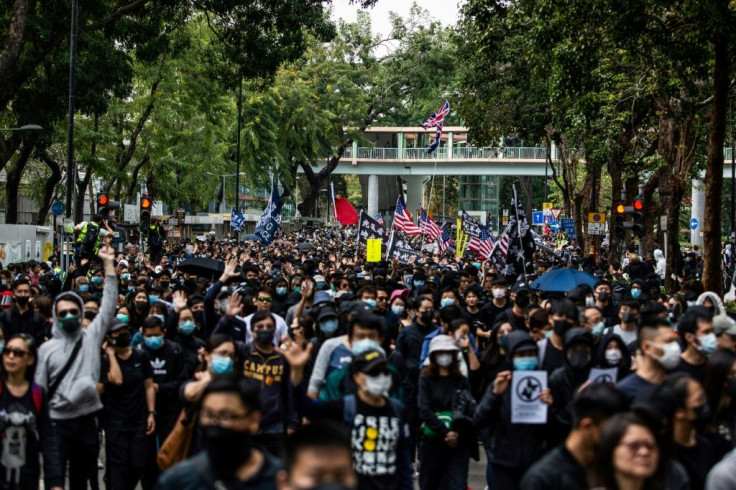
[[368, 361]]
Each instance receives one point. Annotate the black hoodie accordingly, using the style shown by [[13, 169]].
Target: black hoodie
[[513, 446], [624, 365]]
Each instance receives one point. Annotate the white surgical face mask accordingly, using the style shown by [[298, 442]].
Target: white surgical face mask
[[499, 293], [670, 358], [589, 301], [378, 385], [613, 356], [444, 360]]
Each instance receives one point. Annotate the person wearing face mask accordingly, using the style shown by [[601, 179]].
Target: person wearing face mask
[[229, 419], [658, 352], [267, 369], [169, 373], [318, 456], [566, 466], [566, 380], [628, 314], [73, 397], [445, 448], [604, 302], [691, 449], [494, 414], [499, 303], [377, 423], [281, 291], [21, 317], [612, 352], [184, 336], [592, 320], [720, 390], [725, 329], [699, 341], [126, 382], [138, 307], [515, 315], [562, 315]]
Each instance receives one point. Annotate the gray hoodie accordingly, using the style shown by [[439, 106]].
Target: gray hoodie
[[77, 394]]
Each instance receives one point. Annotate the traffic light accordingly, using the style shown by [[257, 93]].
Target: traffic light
[[145, 210], [619, 218], [637, 213], [105, 205]]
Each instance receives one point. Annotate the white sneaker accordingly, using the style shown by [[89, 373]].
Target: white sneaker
[[100, 466]]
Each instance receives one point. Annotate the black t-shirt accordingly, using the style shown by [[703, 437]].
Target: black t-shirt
[[697, 460], [489, 312], [553, 358], [558, 469], [692, 370], [379, 438], [125, 405]]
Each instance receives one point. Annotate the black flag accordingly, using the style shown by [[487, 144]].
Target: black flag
[[369, 228]]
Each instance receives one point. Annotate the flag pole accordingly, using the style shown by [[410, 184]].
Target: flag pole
[[518, 230], [357, 234]]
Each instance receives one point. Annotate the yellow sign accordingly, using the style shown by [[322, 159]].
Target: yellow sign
[[547, 205], [48, 249], [373, 254], [461, 239], [596, 218]]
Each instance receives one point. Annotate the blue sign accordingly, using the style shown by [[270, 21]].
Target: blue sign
[[694, 224], [57, 208], [538, 218], [568, 224], [554, 226]]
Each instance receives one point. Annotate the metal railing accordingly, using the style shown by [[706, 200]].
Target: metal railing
[[465, 153]]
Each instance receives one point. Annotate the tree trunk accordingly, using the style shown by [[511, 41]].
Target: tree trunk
[[675, 195], [14, 40], [12, 186], [712, 273], [527, 187], [48, 188]]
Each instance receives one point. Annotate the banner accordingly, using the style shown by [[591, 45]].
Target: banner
[[461, 240], [237, 220], [471, 226], [512, 253], [11, 253], [369, 228], [398, 249], [270, 220]]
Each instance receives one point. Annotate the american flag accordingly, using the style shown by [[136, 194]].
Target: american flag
[[378, 218], [428, 226], [482, 245], [438, 118], [402, 219], [444, 238]]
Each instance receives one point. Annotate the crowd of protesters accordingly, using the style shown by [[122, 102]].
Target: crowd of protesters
[[300, 366]]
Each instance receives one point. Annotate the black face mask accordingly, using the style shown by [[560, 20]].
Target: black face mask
[[333, 485], [198, 316], [122, 340], [522, 301], [703, 416], [90, 315], [165, 284], [140, 305], [578, 359], [731, 390], [560, 327], [71, 324], [264, 337], [22, 300], [603, 296], [628, 316], [427, 317], [227, 449]]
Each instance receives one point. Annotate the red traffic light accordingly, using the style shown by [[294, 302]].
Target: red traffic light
[[638, 204], [102, 200], [619, 208]]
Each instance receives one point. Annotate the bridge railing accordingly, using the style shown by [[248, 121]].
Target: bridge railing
[[464, 153]]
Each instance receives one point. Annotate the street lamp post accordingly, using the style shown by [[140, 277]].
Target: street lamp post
[[237, 151]]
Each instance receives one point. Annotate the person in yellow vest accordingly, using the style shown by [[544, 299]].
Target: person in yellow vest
[[89, 239], [156, 237]]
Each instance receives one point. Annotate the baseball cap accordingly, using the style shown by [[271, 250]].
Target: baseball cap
[[368, 361], [521, 286], [723, 324], [319, 278], [403, 293]]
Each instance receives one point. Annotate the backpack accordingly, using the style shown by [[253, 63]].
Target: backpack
[[36, 393], [90, 238]]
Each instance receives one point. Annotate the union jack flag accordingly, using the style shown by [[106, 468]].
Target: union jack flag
[[379, 218], [445, 237], [428, 226], [402, 219], [482, 245], [438, 118]]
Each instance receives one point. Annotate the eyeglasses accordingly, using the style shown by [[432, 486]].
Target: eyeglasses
[[263, 299], [20, 353], [382, 298], [635, 446], [64, 313]]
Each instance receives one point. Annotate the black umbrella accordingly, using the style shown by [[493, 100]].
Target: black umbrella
[[305, 246], [202, 267]]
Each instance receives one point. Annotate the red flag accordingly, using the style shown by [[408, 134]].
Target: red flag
[[345, 212]]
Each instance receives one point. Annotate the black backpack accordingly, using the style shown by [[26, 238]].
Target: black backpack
[[90, 238]]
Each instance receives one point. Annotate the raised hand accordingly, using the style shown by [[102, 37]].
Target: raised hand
[[234, 305], [180, 300], [501, 383], [229, 271]]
